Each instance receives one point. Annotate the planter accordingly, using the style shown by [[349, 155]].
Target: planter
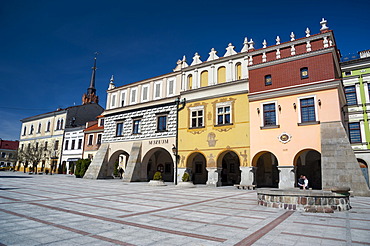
[[188, 184], [156, 183]]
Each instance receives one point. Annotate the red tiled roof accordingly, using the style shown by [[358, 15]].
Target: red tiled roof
[[94, 127], [7, 144]]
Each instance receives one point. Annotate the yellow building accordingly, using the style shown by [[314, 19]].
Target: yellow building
[[213, 130]]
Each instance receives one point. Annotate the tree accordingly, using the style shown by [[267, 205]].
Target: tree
[[31, 154]]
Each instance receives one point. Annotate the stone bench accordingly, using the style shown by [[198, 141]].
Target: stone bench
[[245, 187]]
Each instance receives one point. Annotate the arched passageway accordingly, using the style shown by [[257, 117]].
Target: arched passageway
[[364, 169], [159, 159], [196, 167], [117, 159], [230, 168], [308, 163], [266, 173]]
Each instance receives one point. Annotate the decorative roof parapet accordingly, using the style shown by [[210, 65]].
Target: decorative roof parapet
[[196, 59], [324, 27], [111, 83], [212, 55], [245, 45], [230, 50]]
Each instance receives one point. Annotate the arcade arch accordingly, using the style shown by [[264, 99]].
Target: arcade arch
[[308, 162], [196, 166], [229, 163], [159, 159], [266, 173]]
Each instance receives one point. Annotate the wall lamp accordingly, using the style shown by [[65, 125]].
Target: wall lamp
[[294, 106], [279, 108], [258, 110], [319, 102]]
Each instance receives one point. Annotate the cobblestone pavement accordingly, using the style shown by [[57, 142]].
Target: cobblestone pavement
[[63, 210]]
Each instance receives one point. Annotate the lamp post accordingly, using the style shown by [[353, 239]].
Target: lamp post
[[175, 148]]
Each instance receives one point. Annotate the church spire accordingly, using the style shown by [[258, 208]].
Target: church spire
[[91, 96]]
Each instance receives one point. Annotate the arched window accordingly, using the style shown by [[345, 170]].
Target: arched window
[[238, 71], [204, 79], [39, 128], [31, 129], [190, 82], [58, 125], [61, 123], [221, 75], [25, 130], [48, 127]]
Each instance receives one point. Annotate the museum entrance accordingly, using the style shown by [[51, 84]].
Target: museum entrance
[[159, 159]]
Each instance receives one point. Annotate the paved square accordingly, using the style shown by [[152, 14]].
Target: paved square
[[63, 210]]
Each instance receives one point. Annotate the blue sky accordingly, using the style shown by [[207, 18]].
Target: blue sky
[[47, 47]]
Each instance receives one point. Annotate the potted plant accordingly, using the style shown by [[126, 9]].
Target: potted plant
[[157, 180], [186, 183]]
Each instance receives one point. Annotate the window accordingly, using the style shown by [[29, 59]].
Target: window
[[39, 128], [221, 75], [269, 114], [190, 82], [133, 95], [101, 122], [157, 90], [31, 130], [136, 126], [350, 92], [268, 80], [66, 144], [204, 78], [45, 146], [196, 117], [56, 145], [91, 138], [58, 125], [98, 141], [48, 127], [307, 110], [123, 99], [170, 87], [354, 132], [3, 154], [61, 123], [24, 131], [223, 114], [73, 144], [144, 96], [304, 73], [238, 71], [162, 123], [348, 73], [113, 101], [119, 129], [22, 146], [37, 146], [79, 144]]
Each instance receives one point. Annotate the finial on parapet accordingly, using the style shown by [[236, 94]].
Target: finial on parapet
[[292, 36], [251, 44], [184, 63], [277, 40], [308, 32], [196, 59], [264, 43], [245, 45], [212, 55], [324, 27], [230, 50], [111, 83]]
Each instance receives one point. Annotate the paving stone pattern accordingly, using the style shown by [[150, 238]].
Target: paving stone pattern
[[63, 210]]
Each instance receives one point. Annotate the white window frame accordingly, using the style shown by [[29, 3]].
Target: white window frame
[[299, 107], [113, 100], [124, 98], [262, 120], [133, 100], [147, 93], [197, 108], [92, 140], [155, 90], [97, 138], [222, 105], [169, 81]]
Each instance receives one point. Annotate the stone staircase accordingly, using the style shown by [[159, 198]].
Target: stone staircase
[[99, 165]]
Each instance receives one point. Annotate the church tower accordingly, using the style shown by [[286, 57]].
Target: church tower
[[91, 96]]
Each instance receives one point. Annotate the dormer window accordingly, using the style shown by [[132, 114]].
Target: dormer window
[[304, 73], [268, 80]]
